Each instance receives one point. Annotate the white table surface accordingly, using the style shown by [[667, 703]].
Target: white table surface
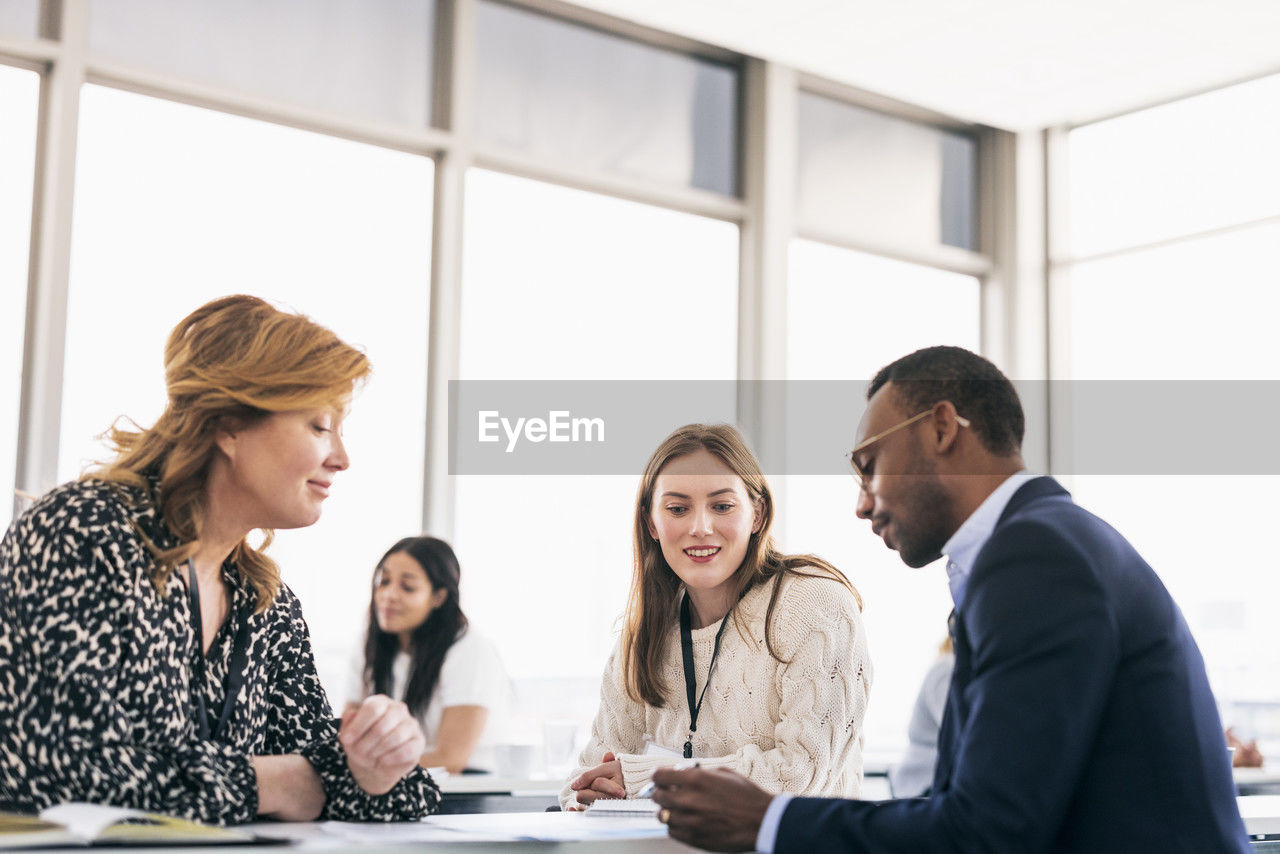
[[483, 784], [875, 763], [1267, 775], [474, 834], [481, 834], [1261, 813]]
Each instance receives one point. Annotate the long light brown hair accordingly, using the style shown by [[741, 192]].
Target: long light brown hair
[[233, 361], [651, 610]]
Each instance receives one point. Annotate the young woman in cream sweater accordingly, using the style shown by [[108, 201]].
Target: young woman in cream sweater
[[732, 654]]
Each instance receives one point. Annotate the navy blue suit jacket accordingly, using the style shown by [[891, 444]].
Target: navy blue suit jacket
[[1079, 716]]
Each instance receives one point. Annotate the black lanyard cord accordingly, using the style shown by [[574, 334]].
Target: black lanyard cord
[[235, 673], [690, 682]]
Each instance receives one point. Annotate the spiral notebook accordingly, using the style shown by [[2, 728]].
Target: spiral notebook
[[618, 806]]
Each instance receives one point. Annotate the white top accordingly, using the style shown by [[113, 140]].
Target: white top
[[471, 675], [794, 725], [914, 774]]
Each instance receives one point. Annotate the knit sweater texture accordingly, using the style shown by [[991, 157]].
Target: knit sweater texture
[[790, 726]]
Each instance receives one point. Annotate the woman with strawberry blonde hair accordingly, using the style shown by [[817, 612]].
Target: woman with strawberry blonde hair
[[151, 655], [780, 694]]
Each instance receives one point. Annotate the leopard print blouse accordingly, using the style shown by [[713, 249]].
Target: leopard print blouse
[[97, 671]]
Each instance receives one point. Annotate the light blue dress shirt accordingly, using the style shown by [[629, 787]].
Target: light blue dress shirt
[[963, 547], [960, 550]]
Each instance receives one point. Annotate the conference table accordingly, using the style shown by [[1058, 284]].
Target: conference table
[[1258, 781], [551, 833], [493, 794], [472, 793], [487, 833], [575, 833], [507, 828], [490, 793]]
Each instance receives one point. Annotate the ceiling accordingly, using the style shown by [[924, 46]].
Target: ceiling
[[1013, 64]]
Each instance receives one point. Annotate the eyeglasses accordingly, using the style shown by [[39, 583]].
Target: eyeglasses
[[864, 482]]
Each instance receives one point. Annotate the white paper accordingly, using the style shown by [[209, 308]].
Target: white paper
[[552, 826], [86, 821], [406, 831]]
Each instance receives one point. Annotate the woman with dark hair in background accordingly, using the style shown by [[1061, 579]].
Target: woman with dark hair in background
[[420, 648]]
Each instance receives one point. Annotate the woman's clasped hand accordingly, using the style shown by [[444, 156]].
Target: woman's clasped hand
[[603, 781], [382, 741]]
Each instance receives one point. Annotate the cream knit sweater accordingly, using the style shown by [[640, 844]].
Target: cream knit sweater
[[790, 727]]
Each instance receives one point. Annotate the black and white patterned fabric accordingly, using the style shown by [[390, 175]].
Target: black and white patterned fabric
[[96, 677]]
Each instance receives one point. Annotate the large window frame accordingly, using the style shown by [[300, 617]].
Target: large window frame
[[1023, 261], [1060, 259], [763, 210], [1245, 702]]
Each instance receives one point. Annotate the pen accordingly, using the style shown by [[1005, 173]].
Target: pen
[[647, 790]]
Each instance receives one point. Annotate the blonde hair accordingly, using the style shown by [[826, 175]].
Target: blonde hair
[[654, 585], [238, 360]]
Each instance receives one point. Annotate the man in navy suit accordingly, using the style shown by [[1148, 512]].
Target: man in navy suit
[[1079, 716]]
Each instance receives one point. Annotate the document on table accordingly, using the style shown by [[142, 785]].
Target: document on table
[[554, 826], [396, 833], [503, 827]]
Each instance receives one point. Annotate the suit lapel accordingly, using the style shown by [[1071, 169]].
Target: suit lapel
[[1040, 487]]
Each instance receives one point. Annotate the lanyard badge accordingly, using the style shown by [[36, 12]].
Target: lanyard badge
[[690, 682]]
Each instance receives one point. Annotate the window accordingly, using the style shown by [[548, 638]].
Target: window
[[19, 18], [561, 284], [848, 315], [177, 205], [1198, 309], [883, 179], [19, 103], [598, 102], [367, 60], [1201, 309], [1178, 169], [1199, 177]]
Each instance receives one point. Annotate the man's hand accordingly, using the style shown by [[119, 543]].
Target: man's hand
[[712, 808], [382, 741], [602, 781]]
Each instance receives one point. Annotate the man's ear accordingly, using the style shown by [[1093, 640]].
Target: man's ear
[[946, 426]]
